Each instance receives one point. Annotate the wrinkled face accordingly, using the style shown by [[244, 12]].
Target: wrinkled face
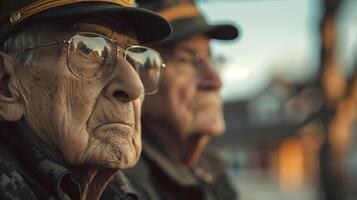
[[188, 100], [93, 122]]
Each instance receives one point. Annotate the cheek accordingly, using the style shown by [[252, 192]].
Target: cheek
[[180, 87], [73, 104], [58, 106], [208, 114], [186, 94], [39, 91], [81, 97], [172, 104], [181, 91], [137, 113]]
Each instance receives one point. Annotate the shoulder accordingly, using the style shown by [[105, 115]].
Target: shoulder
[[9, 173], [12, 183]]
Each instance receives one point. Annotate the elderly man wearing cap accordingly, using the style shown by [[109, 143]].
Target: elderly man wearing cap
[[186, 112], [72, 81]]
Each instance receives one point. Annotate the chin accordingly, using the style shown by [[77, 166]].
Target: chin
[[123, 157]]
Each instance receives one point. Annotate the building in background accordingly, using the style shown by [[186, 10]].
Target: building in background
[[278, 123]]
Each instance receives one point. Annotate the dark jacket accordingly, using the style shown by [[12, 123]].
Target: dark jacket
[[27, 173], [158, 176]]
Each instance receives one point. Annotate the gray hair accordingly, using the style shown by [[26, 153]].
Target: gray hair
[[30, 35], [15, 45]]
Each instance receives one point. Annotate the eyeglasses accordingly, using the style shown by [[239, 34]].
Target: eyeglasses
[[192, 58], [93, 56]]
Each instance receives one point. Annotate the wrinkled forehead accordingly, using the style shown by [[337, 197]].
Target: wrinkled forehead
[[194, 45], [199, 43]]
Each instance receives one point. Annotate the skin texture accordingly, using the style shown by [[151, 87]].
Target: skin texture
[[187, 110], [92, 125]]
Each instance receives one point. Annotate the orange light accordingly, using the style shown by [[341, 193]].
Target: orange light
[[291, 164]]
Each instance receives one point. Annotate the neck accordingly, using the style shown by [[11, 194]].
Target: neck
[[93, 180], [186, 150]]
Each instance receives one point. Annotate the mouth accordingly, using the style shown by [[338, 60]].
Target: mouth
[[116, 128], [208, 106], [207, 102]]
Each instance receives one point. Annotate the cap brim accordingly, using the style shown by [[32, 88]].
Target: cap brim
[[149, 26], [222, 32], [191, 26]]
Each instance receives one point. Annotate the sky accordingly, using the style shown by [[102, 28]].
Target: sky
[[277, 38]]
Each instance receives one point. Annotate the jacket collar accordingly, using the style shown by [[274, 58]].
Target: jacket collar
[[209, 167], [169, 166]]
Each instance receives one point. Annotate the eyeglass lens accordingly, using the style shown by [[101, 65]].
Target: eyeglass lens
[[92, 56], [148, 64]]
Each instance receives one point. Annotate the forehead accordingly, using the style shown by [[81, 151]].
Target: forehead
[[197, 44], [119, 31]]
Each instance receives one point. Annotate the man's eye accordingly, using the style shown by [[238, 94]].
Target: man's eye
[[183, 60], [86, 51], [198, 64]]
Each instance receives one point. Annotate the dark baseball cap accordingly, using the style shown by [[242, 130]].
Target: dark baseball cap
[[187, 20], [149, 26]]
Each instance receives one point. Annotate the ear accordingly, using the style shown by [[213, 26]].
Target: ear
[[10, 103]]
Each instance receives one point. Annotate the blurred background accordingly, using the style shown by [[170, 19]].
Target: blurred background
[[290, 92]]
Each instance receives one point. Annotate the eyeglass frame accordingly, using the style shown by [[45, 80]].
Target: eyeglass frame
[[198, 62], [114, 42]]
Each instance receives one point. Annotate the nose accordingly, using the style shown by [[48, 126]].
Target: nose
[[210, 79], [125, 84]]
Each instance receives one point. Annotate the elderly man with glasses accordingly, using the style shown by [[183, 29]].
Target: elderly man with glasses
[[72, 80], [179, 120]]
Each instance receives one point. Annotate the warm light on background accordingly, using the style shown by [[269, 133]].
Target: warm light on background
[[291, 164], [278, 38]]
